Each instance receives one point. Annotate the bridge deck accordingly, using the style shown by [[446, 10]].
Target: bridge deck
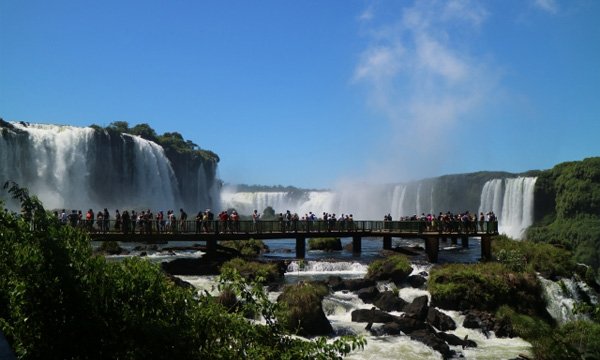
[[301, 230]]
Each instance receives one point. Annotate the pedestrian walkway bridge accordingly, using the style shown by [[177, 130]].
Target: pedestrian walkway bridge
[[213, 231]]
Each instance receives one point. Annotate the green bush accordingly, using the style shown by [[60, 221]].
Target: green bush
[[574, 340], [300, 301], [327, 244], [389, 264], [567, 209], [110, 248], [484, 286], [252, 270], [246, 248], [58, 301], [525, 255]]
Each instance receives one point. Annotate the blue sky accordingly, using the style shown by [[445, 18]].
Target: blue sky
[[315, 93]]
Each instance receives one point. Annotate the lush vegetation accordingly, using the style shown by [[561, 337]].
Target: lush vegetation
[[484, 286], [567, 209], [327, 244], [58, 301], [170, 141], [574, 340], [301, 305], [390, 264], [247, 248], [395, 268], [520, 256], [252, 270]]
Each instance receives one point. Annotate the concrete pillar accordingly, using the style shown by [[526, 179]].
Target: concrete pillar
[[211, 245], [454, 240], [300, 247], [387, 242], [356, 245], [486, 248], [432, 245], [465, 241]]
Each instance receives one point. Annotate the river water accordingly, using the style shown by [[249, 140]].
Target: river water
[[338, 306]]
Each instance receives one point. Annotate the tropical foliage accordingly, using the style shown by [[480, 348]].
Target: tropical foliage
[[170, 141], [58, 301], [568, 209]]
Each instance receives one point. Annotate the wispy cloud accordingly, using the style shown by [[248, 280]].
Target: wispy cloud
[[422, 77], [550, 6]]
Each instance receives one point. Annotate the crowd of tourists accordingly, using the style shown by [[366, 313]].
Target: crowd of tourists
[[141, 222], [449, 222], [147, 222]]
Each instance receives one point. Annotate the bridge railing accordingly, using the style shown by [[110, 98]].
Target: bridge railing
[[276, 226]]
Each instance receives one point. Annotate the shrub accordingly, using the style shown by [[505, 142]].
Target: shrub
[[57, 301], [327, 244], [484, 286], [302, 307], [252, 270], [395, 267], [524, 255], [247, 248], [110, 248]]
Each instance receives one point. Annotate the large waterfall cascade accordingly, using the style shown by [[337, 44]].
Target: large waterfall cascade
[[511, 199], [80, 168]]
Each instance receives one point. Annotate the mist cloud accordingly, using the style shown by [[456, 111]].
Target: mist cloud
[[421, 75]]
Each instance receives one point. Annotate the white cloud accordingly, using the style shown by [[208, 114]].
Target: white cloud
[[367, 15], [550, 6], [420, 75]]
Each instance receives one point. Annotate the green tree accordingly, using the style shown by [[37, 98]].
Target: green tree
[[58, 301]]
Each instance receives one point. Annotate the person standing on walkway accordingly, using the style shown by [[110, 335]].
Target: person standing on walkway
[[255, 221]]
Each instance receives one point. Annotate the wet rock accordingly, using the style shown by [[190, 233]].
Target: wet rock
[[454, 340], [338, 284], [504, 328], [402, 324], [416, 281], [475, 319], [372, 316], [388, 301], [440, 320], [429, 337], [418, 308], [368, 295]]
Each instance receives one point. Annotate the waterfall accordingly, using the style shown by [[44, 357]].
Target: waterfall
[[512, 201], [81, 168], [398, 196], [562, 296]]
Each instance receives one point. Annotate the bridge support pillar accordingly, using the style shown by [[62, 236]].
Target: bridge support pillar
[[356, 245], [211, 245], [453, 240], [432, 245], [486, 248], [387, 242], [444, 239], [300, 247], [465, 241]]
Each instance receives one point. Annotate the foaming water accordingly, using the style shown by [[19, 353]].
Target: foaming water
[[562, 296], [339, 305]]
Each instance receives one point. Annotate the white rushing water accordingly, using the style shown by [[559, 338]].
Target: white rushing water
[[512, 202], [339, 305], [562, 296]]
